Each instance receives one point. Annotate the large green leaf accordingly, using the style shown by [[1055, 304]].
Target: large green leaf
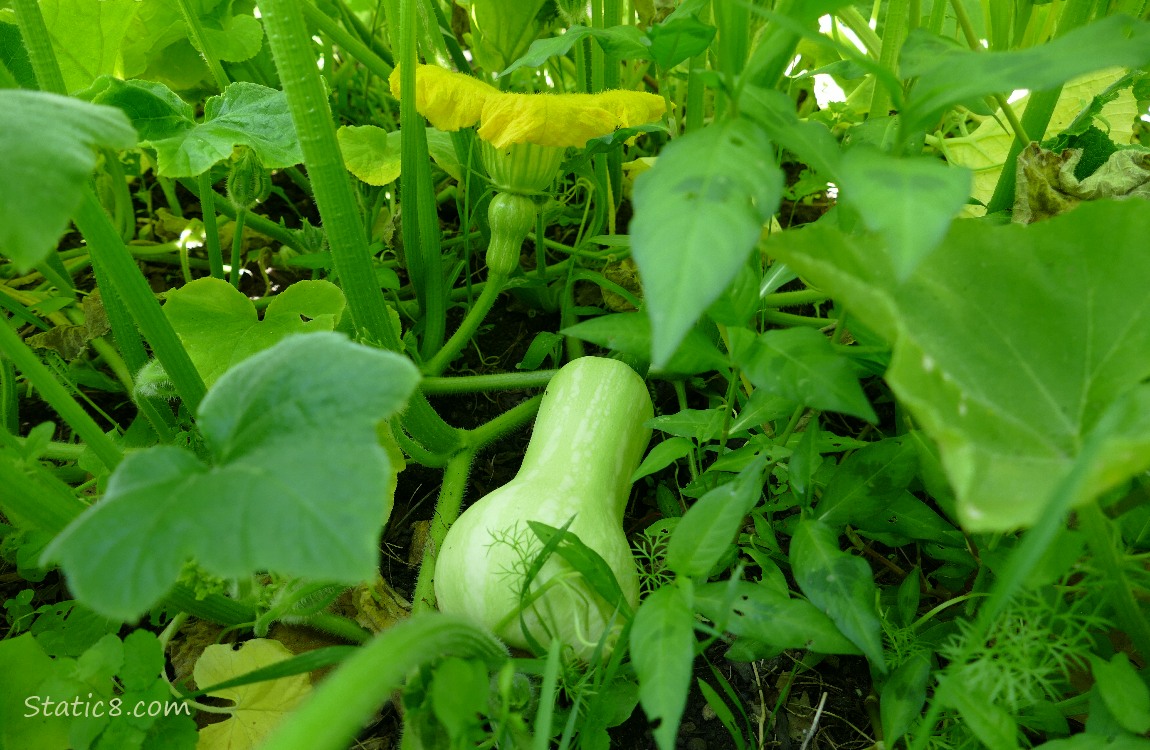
[[231, 37], [1009, 342], [87, 37], [698, 213], [24, 670], [245, 114], [47, 143], [155, 110], [296, 481], [947, 74], [219, 326], [157, 47]]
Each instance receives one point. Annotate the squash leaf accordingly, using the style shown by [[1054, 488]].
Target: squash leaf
[[258, 706], [245, 114], [1010, 342], [295, 481], [87, 37], [985, 149], [219, 327], [48, 143]]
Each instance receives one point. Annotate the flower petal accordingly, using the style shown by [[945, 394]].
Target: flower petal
[[449, 100], [631, 107], [544, 119]]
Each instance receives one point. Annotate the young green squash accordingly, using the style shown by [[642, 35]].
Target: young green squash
[[588, 439]]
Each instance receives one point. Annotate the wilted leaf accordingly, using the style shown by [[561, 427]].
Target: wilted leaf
[[258, 706]]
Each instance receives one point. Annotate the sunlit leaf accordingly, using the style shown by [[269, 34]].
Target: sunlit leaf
[[87, 37], [219, 326]]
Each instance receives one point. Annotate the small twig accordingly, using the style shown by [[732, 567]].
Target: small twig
[[762, 704], [814, 723]]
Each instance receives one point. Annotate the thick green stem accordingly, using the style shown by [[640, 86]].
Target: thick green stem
[[340, 627], [446, 511], [238, 245], [39, 46], [937, 17], [507, 381], [421, 236], [211, 226], [428, 428], [787, 319], [213, 607], [200, 42], [108, 250], [307, 100], [344, 39], [792, 299], [894, 34], [853, 20], [29, 503], [366, 35], [507, 422], [58, 397], [342, 705], [471, 322], [9, 397]]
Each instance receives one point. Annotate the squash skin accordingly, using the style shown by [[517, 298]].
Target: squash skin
[[589, 437]]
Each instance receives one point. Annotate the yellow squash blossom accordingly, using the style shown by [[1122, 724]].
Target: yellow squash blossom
[[451, 101], [448, 100]]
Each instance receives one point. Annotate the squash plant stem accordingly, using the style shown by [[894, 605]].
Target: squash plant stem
[[471, 322], [451, 494], [108, 250], [58, 397], [291, 44], [39, 47], [211, 227], [421, 234]]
